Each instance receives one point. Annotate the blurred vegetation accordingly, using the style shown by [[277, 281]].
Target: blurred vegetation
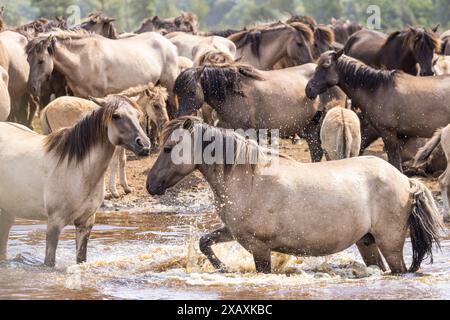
[[223, 14]]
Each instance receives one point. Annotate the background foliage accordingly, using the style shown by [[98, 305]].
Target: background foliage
[[222, 14]]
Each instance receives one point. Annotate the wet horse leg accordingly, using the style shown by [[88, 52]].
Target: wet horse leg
[[312, 136], [83, 232], [391, 248], [370, 253], [262, 260], [54, 228], [392, 146], [6, 222], [218, 236], [444, 181], [122, 171]]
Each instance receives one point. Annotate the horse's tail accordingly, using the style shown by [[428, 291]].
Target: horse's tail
[[343, 140], [46, 129], [425, 152], [425, 224]]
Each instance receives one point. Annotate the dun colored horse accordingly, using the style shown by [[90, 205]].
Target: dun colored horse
[[270, 202]]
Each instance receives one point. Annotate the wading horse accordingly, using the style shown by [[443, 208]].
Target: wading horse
[[59, 178], [395, 103], [269, 202], [401, 50], [262, 47], [97, 66], [246, 98]]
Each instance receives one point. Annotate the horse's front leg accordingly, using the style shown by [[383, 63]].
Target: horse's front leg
[[123, 173], [83, 231], [6, 222], [312, 136], [392, 146], [54, 228], [207, 241], [112, 171]]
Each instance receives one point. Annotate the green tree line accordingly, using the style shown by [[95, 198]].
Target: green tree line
[[223, 14]]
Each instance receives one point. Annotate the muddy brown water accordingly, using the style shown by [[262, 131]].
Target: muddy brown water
[[147, 248]]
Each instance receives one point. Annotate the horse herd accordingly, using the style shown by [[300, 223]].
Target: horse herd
[[341, 87]]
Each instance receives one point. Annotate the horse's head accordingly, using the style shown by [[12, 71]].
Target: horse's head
[[187, 22], [100, 24], [176, 159], [326, 74], [40, 51], [121, 117], [153, 102], [300, 44], [323, 40], [189, 91], [423, 43]]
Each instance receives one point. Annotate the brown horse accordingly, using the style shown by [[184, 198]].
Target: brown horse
[[263, 46], [401, 50], [344, 28], [185, 22], [395, 103], [100, 24]]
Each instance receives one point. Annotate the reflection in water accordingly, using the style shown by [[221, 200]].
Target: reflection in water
[[156, 256]]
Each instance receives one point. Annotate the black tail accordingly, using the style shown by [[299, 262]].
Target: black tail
[[425, 224]]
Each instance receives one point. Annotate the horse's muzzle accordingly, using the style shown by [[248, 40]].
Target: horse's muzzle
[[156, 190]]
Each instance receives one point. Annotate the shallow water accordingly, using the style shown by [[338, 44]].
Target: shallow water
[[144, 255]]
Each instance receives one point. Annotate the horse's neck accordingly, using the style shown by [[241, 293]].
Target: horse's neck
[[394, 55], [66, 62], [358, 95]]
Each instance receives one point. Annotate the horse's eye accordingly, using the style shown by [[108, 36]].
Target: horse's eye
[[40, 61], [167, 149], [116, 116]]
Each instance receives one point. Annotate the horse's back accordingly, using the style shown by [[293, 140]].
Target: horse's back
[[364, 45]]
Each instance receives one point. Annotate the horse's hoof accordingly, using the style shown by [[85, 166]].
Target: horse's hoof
[[222, 269], [127, 190], [115, 194]]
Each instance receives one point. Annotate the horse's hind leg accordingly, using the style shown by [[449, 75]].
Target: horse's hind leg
[[123, 173], [392, 146], [370, 253], [391, 248], [83, 232], [218, 236], [6, 222], [262, 261]]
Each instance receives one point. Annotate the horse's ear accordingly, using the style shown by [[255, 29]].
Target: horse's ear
[[155, 18], [108, 19], [338, 54], [98, 101], [188, 124], [412, 29], [435, 29]]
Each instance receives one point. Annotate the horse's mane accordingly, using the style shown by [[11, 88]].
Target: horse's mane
[[325, 33], [217, 80], [357, 74], [253, 36], [416, 39], [38, 44], [156, 93], [309, 21], [246, 151], [76, 142]]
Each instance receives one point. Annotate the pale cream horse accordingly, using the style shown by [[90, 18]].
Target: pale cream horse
[[442, 137], [5, 101], [66, 111], [340, 134], [60, 177], [270, 202], [97, 66]]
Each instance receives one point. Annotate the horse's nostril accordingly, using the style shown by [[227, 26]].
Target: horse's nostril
[[139, 142]]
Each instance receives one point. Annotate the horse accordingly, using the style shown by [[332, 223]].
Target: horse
[[3, 25], [269, 202], [445, 43], [340, 134], [442, 138], [395, 103], [64, 172], [343, 29], [401, 50], [262, 47], [41, 25], [246, 98], [98, 23], [185, 22], [96, 66], [14, 55], [193, 46]]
